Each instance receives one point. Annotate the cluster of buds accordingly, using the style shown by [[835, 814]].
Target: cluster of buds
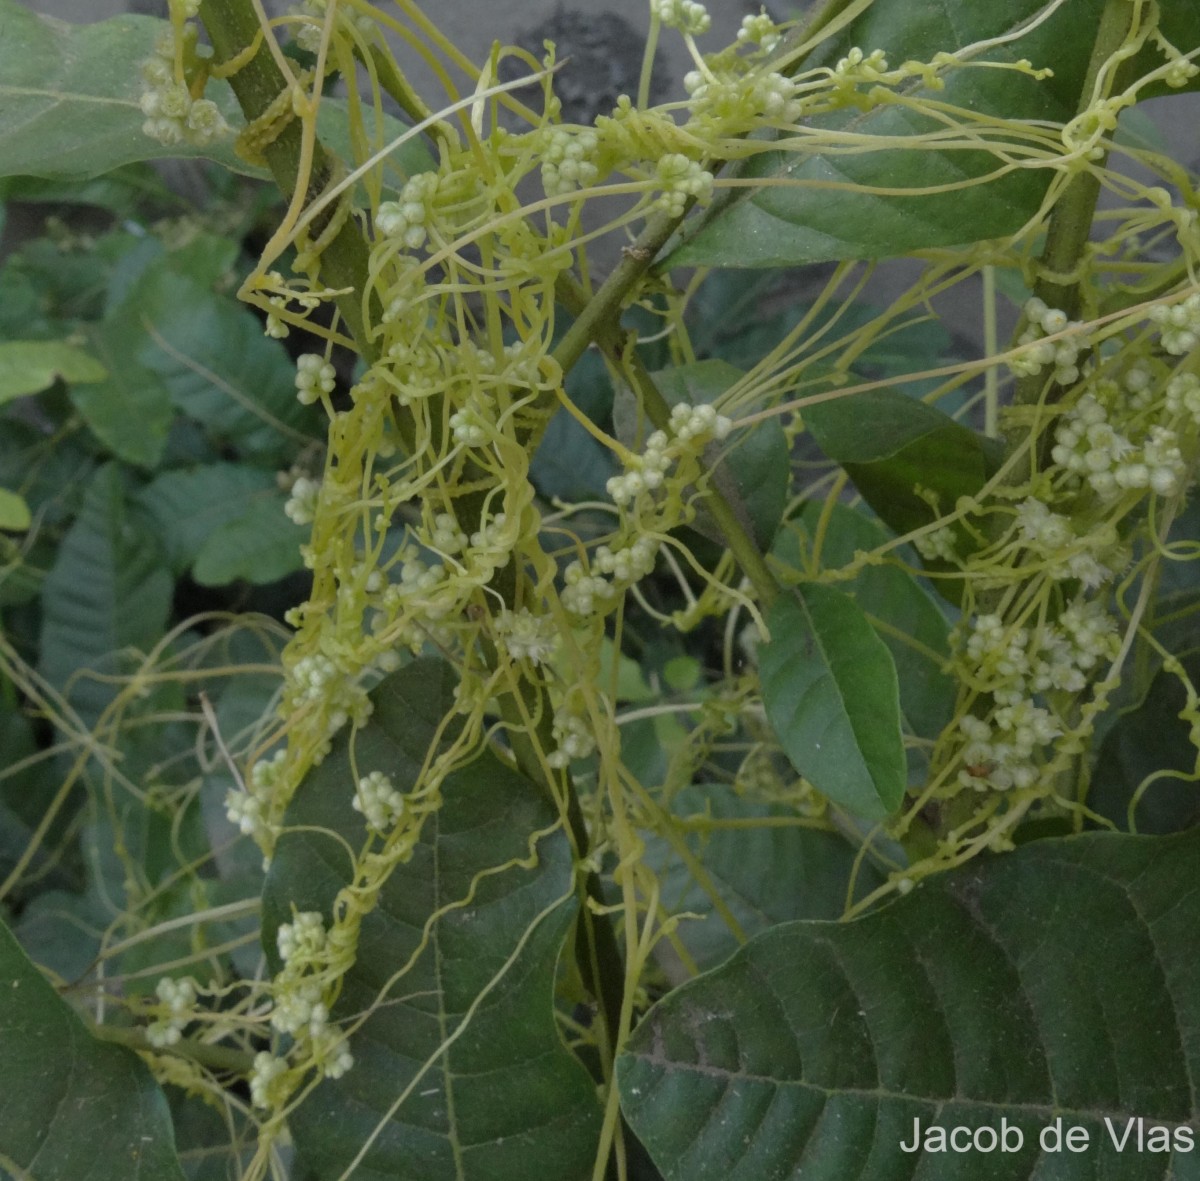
[[173, 115], [1063, 355], [408, 218]]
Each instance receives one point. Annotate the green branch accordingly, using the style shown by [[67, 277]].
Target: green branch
[[206, 1054], [232, 26], [1070, 227]]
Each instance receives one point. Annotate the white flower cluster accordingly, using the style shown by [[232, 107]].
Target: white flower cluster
[[179, 996], [999, 754], [173, 117], [1063, 355], [267, 1069], [308, 36], [690, 428], [247, 809], [1014, 664], [681, 178], [1183, 396], [759, 30], [1052, 537], [1088, 446], [1179, 325], [378, 800], [447, 537], [525, 636], [585, 593], [470, 425], [301, 504], [573, 738], [857, 66], [685, 15], [409, 217], [938, 544], [299, 1009], [731, 101], [317, 680], [314, 376], [568, 160], [303, 939]]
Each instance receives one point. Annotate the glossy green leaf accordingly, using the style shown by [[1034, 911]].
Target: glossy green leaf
[[843, 203], [14, 512], [72, 1108], [1058, 981], [890, 445], [27, 366], [905, 617], [227, 520], [107, 596], [505, 1100], [830, 691], [751, 467], [763, 875]]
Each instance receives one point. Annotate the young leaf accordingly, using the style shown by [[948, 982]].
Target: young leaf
[[108, 592], [459, 1071], [72, 1107], [831, 694], [1055, 982], [27, 366], [851, 204], [14, 512]]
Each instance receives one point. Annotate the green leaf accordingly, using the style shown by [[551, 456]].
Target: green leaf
[[27, 366], [842, 203], [70, 97], [890, 445], [107, 594], [130, 412], [831, 695], [261, 546], [1151, 743], [14, 512], [505, 1100], [217, 365], [754, 466], [764, 875], [905, 617], [228, 520], [1058, 981], [72, 1106]]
